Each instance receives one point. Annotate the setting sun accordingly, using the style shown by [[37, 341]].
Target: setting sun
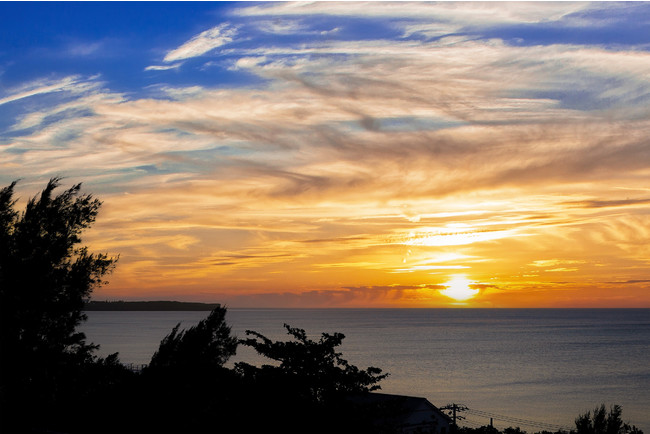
[[459, 289]]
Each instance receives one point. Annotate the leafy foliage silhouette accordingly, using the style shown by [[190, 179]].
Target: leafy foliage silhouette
[[604, 422], [314, 368], [308, 385], [45, 279], [187, 382], [205, 345]]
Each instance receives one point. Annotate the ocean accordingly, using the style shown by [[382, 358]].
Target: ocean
[[533, 368]]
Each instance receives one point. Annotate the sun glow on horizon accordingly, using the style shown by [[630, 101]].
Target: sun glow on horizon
[[328, 162], [459, 289]]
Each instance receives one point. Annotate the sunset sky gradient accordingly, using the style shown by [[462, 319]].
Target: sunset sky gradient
[[343, 154]]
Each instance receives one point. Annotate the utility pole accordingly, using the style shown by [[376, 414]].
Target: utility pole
[[455, 409]]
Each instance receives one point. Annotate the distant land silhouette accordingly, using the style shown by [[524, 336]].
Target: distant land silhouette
[[148, 306]]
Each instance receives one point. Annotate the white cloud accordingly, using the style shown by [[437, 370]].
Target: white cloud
[[281, 27], [82, 105], [466, 13], [41, 87], [84, 49], [180, 93], [331, 32], [202, 43], [163, 67]]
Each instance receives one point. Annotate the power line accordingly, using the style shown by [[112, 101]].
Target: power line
[[516, 420], [454, 409], [473, 424], [474, 421]]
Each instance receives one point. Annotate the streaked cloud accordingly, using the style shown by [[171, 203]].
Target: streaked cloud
[[84, 48], [202, 43], [609, 203], [162, 67], [281, 27], [554, 262], [483, 13], [40, 87]]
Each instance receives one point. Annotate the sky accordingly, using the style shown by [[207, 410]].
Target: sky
[[343, 154]]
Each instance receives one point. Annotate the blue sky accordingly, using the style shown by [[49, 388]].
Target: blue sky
[[370, 150], [118, 40]]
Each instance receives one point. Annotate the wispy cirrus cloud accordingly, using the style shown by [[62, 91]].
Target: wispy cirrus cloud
[[609, 203], [484, 14], [202, 43], [163, 67], [82, 49], [282, 27], [40, 87]]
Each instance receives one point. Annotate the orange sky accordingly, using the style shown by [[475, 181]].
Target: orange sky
[[516, 248], [378, 171]]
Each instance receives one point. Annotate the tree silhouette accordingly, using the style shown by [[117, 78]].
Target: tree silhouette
[[313, 367], [45, 279], [186, 380], [309, 385], [603, 422], [205, 345]]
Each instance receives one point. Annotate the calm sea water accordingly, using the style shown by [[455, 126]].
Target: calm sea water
[[546, 365]]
